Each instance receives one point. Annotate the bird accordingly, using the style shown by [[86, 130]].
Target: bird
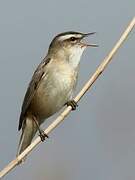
[[52, 85]]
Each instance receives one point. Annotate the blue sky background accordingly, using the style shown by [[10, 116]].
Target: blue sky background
[[97, 141]]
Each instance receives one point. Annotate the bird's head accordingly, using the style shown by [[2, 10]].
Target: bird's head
[[70, 44]]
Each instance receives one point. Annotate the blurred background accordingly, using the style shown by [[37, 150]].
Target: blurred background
[[97, 141]]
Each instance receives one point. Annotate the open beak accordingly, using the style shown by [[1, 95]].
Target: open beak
[[89, 45]]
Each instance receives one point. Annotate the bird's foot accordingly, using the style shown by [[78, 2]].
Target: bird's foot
[[43, 135], [73, 104]]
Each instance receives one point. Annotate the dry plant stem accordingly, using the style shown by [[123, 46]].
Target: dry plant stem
[[61, 117]]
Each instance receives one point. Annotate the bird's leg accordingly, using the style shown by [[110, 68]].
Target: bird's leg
[[42, 134], [72, 103]]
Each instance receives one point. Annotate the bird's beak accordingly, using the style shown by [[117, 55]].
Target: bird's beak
[[88, 45]]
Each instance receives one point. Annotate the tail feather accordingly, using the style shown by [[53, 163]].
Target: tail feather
[[28, 132]]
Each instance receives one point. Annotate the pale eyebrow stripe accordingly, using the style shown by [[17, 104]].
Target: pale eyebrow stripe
[[64, 37]]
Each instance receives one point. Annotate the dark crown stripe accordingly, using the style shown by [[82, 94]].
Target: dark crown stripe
[[69, 33]]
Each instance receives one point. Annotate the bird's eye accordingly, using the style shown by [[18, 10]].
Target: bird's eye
[[72, 39]]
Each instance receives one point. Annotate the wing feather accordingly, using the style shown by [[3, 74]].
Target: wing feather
[[32, 88]]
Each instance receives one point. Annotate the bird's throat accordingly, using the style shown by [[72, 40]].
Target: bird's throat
[[75, 56]]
